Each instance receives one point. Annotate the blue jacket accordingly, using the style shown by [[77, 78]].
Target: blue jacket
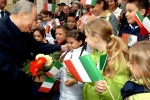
[[134, 31], [15, 49]]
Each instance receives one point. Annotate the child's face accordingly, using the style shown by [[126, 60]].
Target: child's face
[[73, 44], [39, 23], [60, 35], [38, 36], [134, 69], [97, 9], [71, 22], [89, 41], [45, 18], [75, 7], [66, 10], [131, 10], [111, 4]]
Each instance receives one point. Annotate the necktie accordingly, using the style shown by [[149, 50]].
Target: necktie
[[2, 14]]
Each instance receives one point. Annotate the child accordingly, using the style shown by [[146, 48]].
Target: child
[[69, 88], [114, 8], [39, 34], [99, 36], [39, 22], [72, 21], [139, 87], [61, 33], [47, 19], [132, 28]]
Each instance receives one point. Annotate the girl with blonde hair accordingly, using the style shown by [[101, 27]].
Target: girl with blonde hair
[[138, 88], [100, 38]]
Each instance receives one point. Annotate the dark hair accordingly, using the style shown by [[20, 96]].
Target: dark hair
[[72, 14], [77, 35], [140, 4], [41, 31], [64, 28], [105, 7], [46, 12]]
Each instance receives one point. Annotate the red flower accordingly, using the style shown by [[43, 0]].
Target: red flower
[[37, 66]]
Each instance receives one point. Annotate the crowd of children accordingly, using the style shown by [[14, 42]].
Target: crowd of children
[[98, 30]]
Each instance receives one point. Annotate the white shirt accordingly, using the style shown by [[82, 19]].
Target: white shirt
[[74, 92]]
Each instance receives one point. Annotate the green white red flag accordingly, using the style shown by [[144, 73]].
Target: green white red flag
[[91, 2], [146, 22], [139, 19], [49, 7], [78, 13], [83, 69], [56, 67], [47, 85], [102, 62]]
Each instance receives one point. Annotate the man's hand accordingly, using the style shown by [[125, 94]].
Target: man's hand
[[64, 47]]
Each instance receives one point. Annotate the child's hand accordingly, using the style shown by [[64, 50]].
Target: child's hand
[[100, 86], [70, 82], [67, 71], [54, 24]]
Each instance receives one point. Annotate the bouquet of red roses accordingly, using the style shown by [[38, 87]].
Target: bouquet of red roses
[[40, 65]]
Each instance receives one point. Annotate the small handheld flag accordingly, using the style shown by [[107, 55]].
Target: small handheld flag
[[83, 69], [47, 29], [139, 19], [49, 7], [146, 23], [102, 62], [91, 2], [47, 85], [54, 69]]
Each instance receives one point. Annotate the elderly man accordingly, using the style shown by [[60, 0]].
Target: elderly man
[[3, 12], [16, 46]]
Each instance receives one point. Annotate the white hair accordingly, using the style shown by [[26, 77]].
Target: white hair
[[22, 5]]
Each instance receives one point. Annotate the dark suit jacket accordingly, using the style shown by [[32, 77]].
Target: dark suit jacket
[[15, 49], [7, 13]]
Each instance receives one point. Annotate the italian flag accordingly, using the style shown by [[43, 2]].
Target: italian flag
[[49, 7], [83, 69], [54, 69], [102, 62], [47, 85], [139, 19], [146, 23], [129, 39], [78, 14], [91, 2]]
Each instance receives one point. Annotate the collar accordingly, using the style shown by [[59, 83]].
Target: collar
[[2, 10], [11, 26], [133, 26], [78, 49], [95, 52]]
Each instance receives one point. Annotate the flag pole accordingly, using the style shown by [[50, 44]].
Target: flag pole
[[109, 90]]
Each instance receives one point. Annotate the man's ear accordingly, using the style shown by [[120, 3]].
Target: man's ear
[[20, 15], [143, 11]]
